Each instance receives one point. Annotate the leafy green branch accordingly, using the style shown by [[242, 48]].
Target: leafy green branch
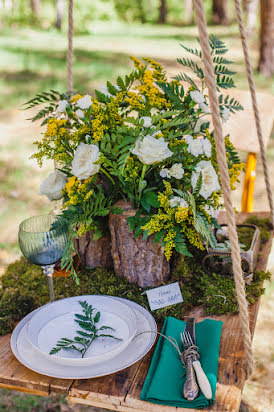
[[88, 321]]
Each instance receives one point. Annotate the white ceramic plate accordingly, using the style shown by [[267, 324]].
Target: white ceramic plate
[[56, 320], [136, 350]]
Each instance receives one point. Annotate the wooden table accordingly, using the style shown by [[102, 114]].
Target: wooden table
[[121, 391]]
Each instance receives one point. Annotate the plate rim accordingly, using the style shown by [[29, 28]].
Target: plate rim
[[92, 359], [136, 306]]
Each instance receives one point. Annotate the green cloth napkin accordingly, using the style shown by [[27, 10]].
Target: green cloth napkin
[[165, 379]]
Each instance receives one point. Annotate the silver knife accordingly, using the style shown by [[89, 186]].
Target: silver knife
[[190, 338]]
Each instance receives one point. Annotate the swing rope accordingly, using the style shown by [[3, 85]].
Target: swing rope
[[69, 66], [255, 105], [70, 46], [225, 183]]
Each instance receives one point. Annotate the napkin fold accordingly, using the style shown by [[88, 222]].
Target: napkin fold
[[166, 376]]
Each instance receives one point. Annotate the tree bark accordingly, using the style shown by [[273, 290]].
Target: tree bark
[[219, 12], [266, 61], [250, 8], [188, 11], [94, 253], [35, 7], [142, 14], [60, 9], [140, 261], [162, 12]]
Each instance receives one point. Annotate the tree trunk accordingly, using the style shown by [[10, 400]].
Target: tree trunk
[[142, 14], [162, 12], [219, 12], [188, 11], [266, 61], [35, 7], [94, 253], [60, 9], [250, 8], [140, 261]]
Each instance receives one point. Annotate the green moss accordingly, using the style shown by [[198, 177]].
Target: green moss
[[264, 225], [24, 287]]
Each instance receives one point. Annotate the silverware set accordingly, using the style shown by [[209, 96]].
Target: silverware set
[[195, 376]]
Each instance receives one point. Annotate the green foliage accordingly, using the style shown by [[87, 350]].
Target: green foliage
[[88, 215], [50, 98], [223, 74], [88, 322]]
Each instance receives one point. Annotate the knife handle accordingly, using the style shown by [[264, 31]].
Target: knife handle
[[202, 379], [191, 389]]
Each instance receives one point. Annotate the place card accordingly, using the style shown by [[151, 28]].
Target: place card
[[164, 296]]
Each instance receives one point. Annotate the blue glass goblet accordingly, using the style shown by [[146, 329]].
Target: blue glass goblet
[[43, 240]]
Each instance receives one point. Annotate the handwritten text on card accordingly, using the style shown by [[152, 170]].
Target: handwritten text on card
[[164, 296]]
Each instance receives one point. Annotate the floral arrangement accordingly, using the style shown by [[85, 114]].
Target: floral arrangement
[[147, 140]]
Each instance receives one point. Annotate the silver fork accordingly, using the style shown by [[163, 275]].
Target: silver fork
[[191, 388], [196, 365]]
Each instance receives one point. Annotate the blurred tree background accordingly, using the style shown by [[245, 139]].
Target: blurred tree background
[[33, 46], [45, 14]]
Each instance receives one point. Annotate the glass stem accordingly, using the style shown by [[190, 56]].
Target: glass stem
[[48, 271]]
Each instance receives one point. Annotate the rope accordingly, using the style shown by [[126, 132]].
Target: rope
[[70, 46], [255, 105], [225, 183], [191, 352]]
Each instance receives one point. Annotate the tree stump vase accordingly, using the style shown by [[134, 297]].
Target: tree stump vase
[[94, 253], [140, 261]]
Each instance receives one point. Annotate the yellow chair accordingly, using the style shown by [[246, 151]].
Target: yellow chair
[[243, 134]]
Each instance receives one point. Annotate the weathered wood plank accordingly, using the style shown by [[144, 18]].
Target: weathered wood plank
[[13, 375], [111, 389]]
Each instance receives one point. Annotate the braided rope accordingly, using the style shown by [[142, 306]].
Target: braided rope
[[70, 46], [255, 105], [225, 183]]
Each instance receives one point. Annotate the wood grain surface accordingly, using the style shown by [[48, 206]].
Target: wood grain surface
[[121, 391]]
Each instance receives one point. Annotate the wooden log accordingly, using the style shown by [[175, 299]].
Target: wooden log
[[94, 253], [140, 261]]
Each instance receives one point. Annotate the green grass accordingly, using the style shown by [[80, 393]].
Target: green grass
[[33, 60]]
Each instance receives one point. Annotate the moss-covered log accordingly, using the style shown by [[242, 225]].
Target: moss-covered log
[[140, 261]]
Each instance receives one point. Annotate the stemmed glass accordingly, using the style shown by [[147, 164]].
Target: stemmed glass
[[42, 240]]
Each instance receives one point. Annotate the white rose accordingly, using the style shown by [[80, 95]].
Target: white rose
[[165, 173], [204, 107], [183, 203], [53, 185], [210, 182], [195, 147], [104, 90], [212, 212], [177, 171], [188, 138], [178, 201], [150, 150], [198, 124], [225, 114], [147, 121], [80, 114], [175, 201], [207, 147], [61, 108], [83, 164], [84, 102], [197, 96]]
